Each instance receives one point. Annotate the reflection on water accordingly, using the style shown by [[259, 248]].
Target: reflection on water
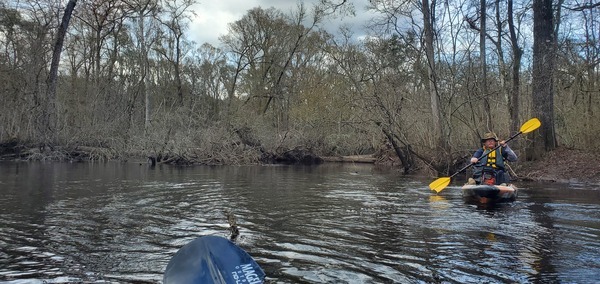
[[333, 223]]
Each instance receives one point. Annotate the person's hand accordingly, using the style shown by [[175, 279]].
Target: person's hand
[[502, 143], [474, 160]]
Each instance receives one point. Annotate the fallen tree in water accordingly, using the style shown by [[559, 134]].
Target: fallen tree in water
[[18, 150], [369, 159], [291, 156]]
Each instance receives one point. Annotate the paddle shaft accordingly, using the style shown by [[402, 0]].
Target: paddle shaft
[[442, 182], [483, 156]]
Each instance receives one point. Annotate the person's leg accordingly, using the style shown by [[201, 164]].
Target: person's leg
[[477, 179], [502, 177], [471, 181], [477, 172], [507, 178]]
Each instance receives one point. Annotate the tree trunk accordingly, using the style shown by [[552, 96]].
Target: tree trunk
[[145, 69], [177, 64], [483, 55], [517, 53], [50, 119], [543, 69], [431, 87], [502, 67], [404, 159]]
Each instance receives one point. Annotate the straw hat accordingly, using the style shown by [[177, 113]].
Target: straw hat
[[488, 136]]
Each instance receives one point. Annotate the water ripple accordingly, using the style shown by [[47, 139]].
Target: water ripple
[[117, 223]]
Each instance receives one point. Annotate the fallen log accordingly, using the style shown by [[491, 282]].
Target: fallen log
[[351, 159]]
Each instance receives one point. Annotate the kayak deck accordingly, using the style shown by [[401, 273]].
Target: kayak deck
[[212, 259], [489, 193]]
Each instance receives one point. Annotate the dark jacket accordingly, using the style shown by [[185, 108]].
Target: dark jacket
[[502, 154]]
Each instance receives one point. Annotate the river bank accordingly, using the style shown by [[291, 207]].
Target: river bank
[[563, 165]]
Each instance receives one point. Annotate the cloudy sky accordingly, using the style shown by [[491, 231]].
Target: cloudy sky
[[212, 16]]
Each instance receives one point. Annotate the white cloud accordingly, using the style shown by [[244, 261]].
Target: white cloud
[[213, 16]]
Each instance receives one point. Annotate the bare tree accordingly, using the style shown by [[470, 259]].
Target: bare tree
[[517, 53], [206, 73], [176, 20], [428, 11], [50, 117], [544, 43], [269, 47], [145, 37], [483, 60]]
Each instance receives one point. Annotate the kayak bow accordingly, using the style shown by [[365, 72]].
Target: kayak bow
[[212, 259], [489, 193]]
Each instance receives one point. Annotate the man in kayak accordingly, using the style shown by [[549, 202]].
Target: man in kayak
[[491, 168]]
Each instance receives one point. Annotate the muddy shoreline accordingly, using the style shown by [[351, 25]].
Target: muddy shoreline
[[562, 165]]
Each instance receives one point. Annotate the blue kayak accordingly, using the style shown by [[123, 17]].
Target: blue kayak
[[212, 259]]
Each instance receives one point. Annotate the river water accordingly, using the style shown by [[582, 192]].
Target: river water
[[332, 223]]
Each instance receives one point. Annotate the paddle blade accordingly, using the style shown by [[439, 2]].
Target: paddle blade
[[439, 184], [530, 125], [212, 259]]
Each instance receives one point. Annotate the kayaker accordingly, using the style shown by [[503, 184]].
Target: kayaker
[[491, 168]]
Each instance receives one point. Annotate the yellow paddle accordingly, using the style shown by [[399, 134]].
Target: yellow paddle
[[441, 183]]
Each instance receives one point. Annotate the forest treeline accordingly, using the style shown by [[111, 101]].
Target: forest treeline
[[123, 79]]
